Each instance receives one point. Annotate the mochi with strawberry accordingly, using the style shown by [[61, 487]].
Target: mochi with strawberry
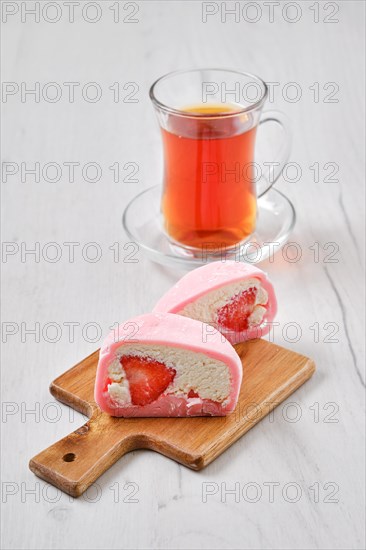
[[237, 299], [161, 364]]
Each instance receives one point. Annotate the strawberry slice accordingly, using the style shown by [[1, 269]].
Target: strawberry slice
[[147, 378], [234, 315], [107, 382], [192, 394]]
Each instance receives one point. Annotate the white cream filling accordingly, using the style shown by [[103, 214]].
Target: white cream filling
[[206, 307], [208, 377]]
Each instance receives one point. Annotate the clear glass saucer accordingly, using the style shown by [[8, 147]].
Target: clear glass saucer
[[143, 223]]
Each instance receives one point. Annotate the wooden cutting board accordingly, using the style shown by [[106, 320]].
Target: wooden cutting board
[[271, 374]]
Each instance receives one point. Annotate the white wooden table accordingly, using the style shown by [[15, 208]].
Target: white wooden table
[[298, 476]]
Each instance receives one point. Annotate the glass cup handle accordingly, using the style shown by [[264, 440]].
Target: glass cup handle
[[275, 168]]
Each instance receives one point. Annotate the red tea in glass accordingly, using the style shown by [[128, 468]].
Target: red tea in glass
[[209, 190], [209, 119]]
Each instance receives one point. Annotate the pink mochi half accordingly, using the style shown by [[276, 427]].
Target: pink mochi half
[[235, 298], [165, 365]]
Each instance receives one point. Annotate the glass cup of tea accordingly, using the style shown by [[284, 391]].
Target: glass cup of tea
[[209, 120]]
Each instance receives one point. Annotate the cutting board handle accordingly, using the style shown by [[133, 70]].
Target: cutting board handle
[[76, 461]]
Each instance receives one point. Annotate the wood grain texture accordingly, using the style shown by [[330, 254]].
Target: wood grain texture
[[271, 374]]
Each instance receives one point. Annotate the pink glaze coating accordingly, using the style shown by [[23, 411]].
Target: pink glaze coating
[[166, 329], [212, 276]]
